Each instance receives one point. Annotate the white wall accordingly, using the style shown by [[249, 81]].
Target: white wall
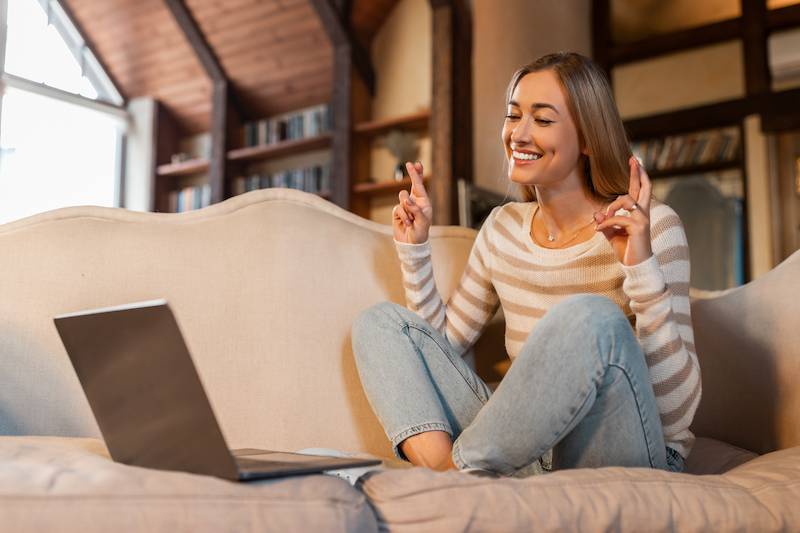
[[138, 172]]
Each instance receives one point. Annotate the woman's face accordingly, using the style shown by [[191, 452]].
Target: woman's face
[[541, 140]]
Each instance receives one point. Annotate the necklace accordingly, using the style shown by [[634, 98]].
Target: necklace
[[550, 238]]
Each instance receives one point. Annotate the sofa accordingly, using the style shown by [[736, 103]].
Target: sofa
[[265, 287]]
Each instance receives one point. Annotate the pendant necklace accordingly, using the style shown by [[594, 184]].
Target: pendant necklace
[[550, 238]]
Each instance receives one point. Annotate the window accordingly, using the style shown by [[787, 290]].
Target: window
[[60, 125]]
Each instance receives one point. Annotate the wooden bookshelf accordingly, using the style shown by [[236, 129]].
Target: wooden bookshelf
[[414, 122], [382, 188], [281, 149], [696, 169], [184, 168]]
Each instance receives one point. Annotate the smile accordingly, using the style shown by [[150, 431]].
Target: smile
[[525, 157]]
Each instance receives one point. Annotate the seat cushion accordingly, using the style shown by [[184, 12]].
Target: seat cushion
[[65, 484], [711, 456], [761, 494]]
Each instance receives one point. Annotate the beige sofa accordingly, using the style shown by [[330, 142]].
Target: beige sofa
[[265, 287]]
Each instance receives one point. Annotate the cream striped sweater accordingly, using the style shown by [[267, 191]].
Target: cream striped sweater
[[507, 268]]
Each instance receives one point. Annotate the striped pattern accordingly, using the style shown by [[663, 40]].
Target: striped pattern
[[506, 268]]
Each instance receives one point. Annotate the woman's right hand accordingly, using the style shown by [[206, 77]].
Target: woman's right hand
[[411, 218]]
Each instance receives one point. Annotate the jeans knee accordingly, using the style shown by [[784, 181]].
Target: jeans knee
[[373, 317], [371, 322]]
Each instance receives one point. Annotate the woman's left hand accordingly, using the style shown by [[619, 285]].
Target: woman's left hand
[[629, 236]]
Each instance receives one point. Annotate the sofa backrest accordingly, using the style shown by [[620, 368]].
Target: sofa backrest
[[748, 344], [265, 287]]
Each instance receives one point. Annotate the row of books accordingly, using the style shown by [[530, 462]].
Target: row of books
[[189, 198], [314, 179], [687, 150], [304, 123]]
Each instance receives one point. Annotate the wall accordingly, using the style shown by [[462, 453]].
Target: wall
[[681, 80], [506, 35], [139, 154]]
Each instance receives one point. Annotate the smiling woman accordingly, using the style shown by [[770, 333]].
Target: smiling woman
[[587, 255], [56, 151]]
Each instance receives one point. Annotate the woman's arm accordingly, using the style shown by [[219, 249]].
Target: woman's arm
[[474, 301], [653, 251], [659, 296]]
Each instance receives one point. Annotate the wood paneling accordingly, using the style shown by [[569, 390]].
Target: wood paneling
[[275, 53]]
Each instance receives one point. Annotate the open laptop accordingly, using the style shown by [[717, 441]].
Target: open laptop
[[150, 405]]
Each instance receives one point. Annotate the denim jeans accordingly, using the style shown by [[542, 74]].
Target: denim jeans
[[579, 388]]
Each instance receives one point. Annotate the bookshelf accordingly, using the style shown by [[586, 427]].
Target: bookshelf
[[691, 153], [186, 185], [727, 168], [235, 160], [280, 149], [368, 190], [375, 128], [184, 168], [365, 187]]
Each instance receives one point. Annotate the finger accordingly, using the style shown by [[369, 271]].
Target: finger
[[624, 202], [646, 191], [413, 208], [635, 182], [608, 232], [618, 224], [402, 215], [417, 186]]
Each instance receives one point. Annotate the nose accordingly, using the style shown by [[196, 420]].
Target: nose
[[522, 133]]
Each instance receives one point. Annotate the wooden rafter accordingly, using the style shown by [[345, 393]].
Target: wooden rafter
[[220, 95], [452, 83], [337, 27], [196, 39]]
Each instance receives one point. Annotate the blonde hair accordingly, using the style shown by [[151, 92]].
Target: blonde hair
[[594, 110]]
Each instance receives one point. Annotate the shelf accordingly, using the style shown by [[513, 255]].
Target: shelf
[[193, 166], [697, 169], [375, 128], [280, 149], [384, 187]]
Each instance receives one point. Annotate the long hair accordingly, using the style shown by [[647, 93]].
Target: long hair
[[594, 110]]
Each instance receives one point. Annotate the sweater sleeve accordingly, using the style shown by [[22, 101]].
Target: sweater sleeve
[[472, 304], [659, 296]]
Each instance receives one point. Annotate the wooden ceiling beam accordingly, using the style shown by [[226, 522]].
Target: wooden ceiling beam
[[196, 39], [337, 25], [220, 95]]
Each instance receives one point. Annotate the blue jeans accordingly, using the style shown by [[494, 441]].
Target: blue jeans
[[579, 388]]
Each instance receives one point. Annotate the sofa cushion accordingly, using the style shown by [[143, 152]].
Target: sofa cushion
[[748, 346], [760, 495], [710, 456], [66, 484]]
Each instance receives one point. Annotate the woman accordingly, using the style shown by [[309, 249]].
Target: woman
[[586, 256]]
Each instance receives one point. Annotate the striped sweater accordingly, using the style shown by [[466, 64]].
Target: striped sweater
[[507, 268]]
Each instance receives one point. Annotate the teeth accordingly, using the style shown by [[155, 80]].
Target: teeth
[[526, 157]]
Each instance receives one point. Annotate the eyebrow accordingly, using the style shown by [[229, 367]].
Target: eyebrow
[[536, 106]]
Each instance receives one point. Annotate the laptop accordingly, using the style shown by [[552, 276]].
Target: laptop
[[149, 402]]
